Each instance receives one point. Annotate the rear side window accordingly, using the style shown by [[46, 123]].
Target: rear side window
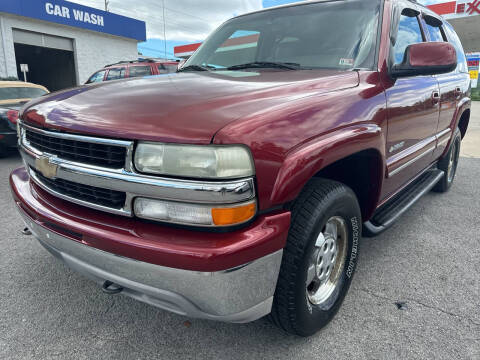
[[171, 68], [116, 73], [97, 77], [166, 68], [455, 41], [138, 71], [408, 33], [11, 93]]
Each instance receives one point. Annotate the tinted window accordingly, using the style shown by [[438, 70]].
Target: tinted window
[[136, 71], [97, 77], [330, 35], [455, 41], [435, 33], [20, 93], [408, 33], [116, 73], [166, 69]]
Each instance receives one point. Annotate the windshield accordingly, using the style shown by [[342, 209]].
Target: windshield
[[10, 93], [325, 35]]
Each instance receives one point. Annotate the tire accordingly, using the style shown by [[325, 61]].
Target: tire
[[300, 308], [449, 164]]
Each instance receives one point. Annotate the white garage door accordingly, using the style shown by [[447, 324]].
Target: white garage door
[[43, 40]]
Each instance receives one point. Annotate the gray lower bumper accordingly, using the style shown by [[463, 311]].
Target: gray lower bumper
[[238, 295]]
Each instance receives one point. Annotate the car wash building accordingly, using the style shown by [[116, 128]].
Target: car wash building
[[62, 43]]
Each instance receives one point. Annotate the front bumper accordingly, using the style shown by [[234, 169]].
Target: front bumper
[[238, 295], [228, 277]]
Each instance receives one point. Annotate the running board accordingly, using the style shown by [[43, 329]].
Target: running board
[[386, 215]]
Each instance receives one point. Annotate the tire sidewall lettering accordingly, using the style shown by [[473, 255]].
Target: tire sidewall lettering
[[354, 252]]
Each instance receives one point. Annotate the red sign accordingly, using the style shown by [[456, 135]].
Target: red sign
[[473, 63], [457, 7], [473, 7]]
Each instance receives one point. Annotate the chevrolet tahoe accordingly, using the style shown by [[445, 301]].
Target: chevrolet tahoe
[[241, 185]]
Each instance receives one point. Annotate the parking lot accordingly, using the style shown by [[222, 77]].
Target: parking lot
[[416, 294]]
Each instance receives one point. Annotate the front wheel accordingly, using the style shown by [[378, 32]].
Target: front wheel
[[319, 259]]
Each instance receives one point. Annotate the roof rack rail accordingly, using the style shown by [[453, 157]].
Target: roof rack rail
[[150, 60]]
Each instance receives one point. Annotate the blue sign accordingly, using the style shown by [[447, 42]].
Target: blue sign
[[67, 13]]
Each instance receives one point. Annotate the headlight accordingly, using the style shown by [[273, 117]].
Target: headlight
[[190, 214], [194, 161]]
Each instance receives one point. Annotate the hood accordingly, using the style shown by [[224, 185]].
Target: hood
[[180, 108]]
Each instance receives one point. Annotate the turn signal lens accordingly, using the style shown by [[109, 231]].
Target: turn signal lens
[[233, 215], [193, 214]]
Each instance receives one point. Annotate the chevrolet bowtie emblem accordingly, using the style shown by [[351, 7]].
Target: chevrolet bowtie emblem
[[43, 165]]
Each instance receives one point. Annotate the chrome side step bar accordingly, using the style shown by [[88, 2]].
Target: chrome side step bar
[[385, 216]]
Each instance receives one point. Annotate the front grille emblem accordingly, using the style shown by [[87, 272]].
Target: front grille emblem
[[47, 169]]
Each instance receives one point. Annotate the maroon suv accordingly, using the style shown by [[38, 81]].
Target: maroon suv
[[129, 69], [241, 185]]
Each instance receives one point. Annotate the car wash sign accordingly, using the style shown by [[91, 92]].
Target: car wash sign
[[78, 15], [457, 9], [67, 13]]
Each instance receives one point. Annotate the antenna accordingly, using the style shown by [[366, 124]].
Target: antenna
[[107, 2]]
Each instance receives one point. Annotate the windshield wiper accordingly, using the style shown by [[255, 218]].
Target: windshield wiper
[[266, 64], [193, 68]]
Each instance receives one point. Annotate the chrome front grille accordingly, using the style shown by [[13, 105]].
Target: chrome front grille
[[109, 156], [111, 184]]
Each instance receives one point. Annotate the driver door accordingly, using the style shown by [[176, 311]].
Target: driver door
[[413, 112]]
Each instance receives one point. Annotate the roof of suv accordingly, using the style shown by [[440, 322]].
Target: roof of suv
[[141, 62]]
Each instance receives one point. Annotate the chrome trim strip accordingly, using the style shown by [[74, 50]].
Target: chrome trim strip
[[148, 186], [443, 142], [442, 134], [411, 161], [89, 139], [135, 184]]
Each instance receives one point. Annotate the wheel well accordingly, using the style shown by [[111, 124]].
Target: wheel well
[[363, 173], [463, 122]]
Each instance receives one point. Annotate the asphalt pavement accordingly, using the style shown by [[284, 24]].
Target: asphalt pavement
[[416, 294]]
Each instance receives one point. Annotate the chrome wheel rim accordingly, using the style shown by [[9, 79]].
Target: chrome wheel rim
[[327, 261], [452, 162]]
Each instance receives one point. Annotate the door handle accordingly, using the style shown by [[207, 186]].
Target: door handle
[[435, 97]]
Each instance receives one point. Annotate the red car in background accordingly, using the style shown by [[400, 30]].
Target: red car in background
[[138, 68]]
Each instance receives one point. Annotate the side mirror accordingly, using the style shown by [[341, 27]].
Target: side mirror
[[428, 58]]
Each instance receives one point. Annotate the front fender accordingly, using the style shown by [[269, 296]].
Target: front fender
[[304, 161]]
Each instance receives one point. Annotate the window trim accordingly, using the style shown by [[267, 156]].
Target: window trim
[[115, 68], [105, 71], [438, 23]]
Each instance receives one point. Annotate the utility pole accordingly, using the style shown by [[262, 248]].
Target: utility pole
[[164, 31], [106, 5]]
